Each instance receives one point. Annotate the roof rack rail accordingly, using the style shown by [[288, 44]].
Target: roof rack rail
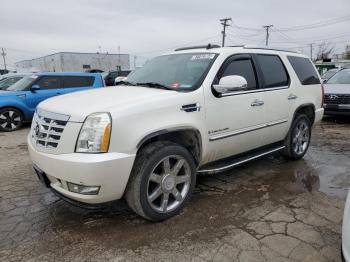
[[208, 46], [268, 48]]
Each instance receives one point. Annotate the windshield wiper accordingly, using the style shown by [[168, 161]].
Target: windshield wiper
[[155, 85], [125, 83]]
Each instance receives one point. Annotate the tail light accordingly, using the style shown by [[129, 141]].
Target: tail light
[[322, 92]]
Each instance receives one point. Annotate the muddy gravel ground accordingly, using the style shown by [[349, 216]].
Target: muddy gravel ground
[[267, 210]]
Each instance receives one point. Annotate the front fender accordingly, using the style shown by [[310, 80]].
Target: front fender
[[15, 103]]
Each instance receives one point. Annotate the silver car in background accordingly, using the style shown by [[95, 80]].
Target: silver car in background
[[337, 94]]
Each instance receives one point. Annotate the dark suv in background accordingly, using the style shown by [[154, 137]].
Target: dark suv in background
[[110, 77]]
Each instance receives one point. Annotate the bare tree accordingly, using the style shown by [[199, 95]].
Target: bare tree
[[325, 50]]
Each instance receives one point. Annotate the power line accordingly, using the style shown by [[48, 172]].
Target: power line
[[225, 24], [317, 24], [307, 40], [302, 27]]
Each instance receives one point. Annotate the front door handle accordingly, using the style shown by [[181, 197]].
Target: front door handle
[[257, 102], [292, 97]]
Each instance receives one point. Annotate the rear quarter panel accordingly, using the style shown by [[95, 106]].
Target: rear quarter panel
[[307, 94]]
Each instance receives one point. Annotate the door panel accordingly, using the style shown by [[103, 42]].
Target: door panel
[[76, 83], [234, 121], [234, 125], [277, 108], [49, 87], [276, 82]]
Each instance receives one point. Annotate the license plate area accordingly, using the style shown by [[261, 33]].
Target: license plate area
[[42, 177], [330, 106]]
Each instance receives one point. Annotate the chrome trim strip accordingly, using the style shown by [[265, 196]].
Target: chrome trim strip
[[234, 93], [246, 130], [221, 169], [344, 106], [51, 115]]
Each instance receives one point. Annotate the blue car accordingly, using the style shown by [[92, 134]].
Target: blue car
[[18, 102]]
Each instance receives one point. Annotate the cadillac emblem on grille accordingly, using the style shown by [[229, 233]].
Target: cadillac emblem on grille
[[47, 128]]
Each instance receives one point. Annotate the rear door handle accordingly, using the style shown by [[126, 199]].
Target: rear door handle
[[257, 102], [292, 97]]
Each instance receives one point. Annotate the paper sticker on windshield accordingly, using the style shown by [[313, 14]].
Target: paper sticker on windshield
[[203, 56], [175, 85]]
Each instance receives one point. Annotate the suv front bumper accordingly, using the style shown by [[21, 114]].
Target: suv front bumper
[[333, 109], [110, 171]]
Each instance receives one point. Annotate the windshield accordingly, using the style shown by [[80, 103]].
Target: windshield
[[342, 77], [329, 73], [22, 84], [176, 71], [104, 74], [4, 84]]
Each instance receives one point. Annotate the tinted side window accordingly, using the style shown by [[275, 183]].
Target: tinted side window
[[305, 70], [243, 68], [77, 81], [273, 71], [49, 82]]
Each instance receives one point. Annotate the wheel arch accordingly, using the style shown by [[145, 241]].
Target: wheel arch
[[17, 108], [188, 137], [308, 109]]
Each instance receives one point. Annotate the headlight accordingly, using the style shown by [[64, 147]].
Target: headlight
[[95, 134]]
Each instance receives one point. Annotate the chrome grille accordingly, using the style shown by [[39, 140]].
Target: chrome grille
[[337, 99], [47, 128]]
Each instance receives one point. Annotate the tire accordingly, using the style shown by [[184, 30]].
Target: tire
[[162, 170], [298, 139], [11, 119]]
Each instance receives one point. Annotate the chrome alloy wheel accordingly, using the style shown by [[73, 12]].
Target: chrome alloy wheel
[[169, 183], [10, 120], [301, 137]]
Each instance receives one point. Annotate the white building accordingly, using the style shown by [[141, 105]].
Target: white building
[[76, 62]]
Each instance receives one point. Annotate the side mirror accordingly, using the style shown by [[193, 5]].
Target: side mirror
[[34, 88], [231, 83]]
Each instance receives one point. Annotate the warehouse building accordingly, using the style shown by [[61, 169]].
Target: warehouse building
[[76, 62]]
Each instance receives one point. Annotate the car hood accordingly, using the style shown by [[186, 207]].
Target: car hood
[[109, 99], [4, 93], [337, 88]]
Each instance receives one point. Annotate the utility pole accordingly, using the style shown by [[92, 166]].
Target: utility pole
[[267, 27], [3, 57], [225, 24], [119, 59], [135, 57], [311, 51]]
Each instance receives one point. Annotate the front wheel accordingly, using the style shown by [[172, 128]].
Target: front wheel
[[10, 119], [162, 181], [298, 139]]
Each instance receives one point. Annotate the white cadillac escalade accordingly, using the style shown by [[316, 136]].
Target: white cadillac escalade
[[196, 110]]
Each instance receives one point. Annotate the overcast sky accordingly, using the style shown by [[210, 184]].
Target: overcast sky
[[29, 29]]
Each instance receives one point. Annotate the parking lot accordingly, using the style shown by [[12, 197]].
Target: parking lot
[[267, 210]]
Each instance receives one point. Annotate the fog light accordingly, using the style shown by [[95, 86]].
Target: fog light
[[84, 190]]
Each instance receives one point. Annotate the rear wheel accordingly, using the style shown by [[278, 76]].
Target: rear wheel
[[11, 119], [162, 181], [298, 140]]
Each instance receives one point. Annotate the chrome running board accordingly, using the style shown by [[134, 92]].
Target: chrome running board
[[217, 168]]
